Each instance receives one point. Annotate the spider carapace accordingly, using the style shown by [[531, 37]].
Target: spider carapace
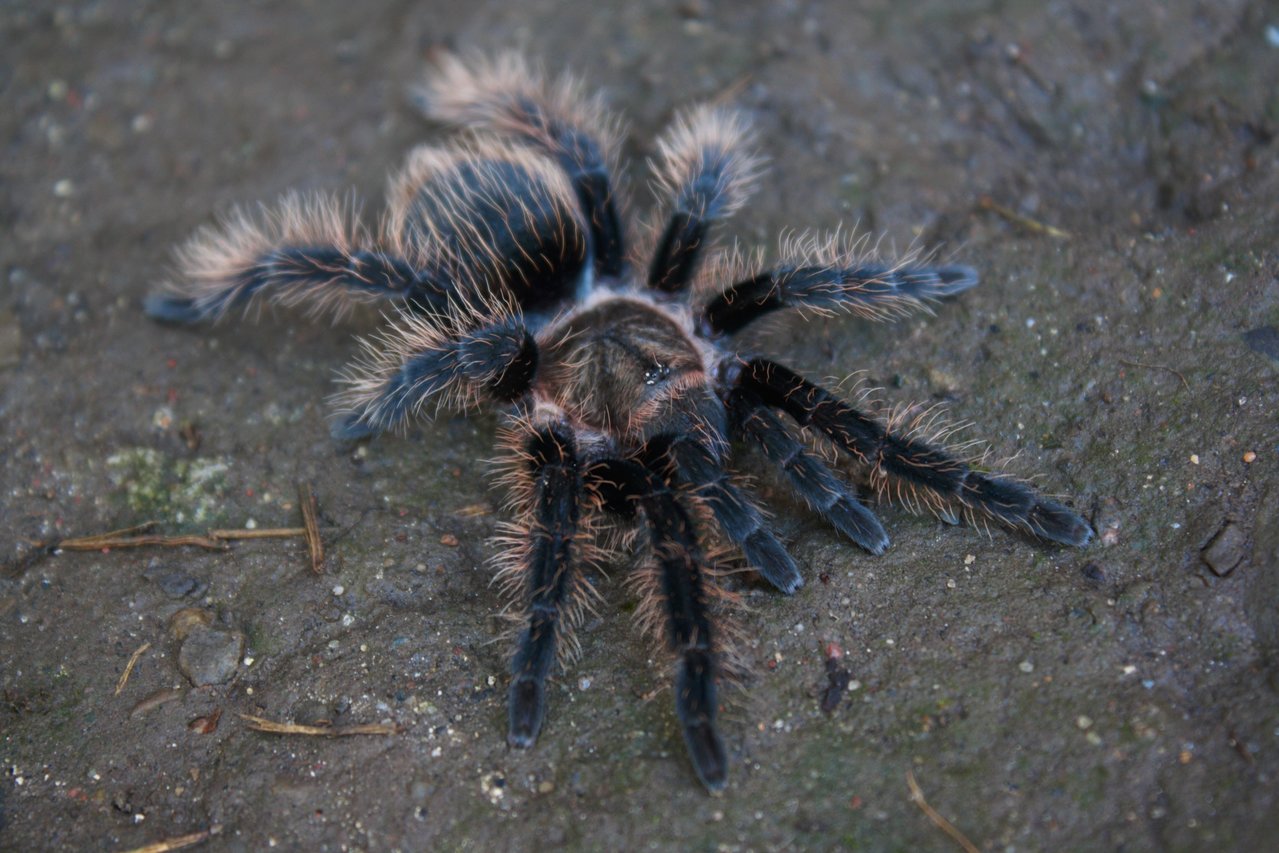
[[504, 252]]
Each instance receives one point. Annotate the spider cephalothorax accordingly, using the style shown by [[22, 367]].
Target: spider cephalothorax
[[622, 385]]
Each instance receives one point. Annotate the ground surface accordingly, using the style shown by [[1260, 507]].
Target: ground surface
[[1117, 697]]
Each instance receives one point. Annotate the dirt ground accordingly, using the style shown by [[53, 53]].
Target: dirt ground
[[1110, 170]]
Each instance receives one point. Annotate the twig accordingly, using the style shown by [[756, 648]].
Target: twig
[[264, 533], [215, 540], [111, 540], [128, 667], [988, 203], [179, 842], [306, 500], [261, 724], [917, 795], [155, 700], [1171, 370]]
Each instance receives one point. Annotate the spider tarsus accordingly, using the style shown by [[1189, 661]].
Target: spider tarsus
[[695, 703], [769, 557], [953, 280], [706, 751], [694, 464], [527, 704], [1018, 505], [859, 524], [178, 310]]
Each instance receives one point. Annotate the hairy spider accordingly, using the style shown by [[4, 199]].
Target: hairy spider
[[622, 385]]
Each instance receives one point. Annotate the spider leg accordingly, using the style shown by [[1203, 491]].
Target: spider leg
[[498, 214], [824, 276], [303, 251], [817, 484], [944, 479], [551, 466], [706, 170], [680, 564], [509, 96], [454, 361], [684, 459]]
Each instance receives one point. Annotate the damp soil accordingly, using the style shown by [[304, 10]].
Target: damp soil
[[1109, 169]]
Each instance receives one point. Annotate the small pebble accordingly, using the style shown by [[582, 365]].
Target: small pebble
[[449, 540], [180, 584], [64, 188], [1249, 457], [210, 655], [1026, 666], [1226, 550], [187, 620], [1083, 721]]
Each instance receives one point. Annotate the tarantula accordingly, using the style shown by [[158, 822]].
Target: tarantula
[[621, 383]]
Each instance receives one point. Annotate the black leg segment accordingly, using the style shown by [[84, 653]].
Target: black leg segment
[[684, 459], [817, 484], [495, 362], [511, 97], [871, 290], [293, 275], [707, 170], [552, 466], [911, 460], [673, 538]]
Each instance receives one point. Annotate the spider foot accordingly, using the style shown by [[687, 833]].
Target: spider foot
[[527, 709], [695, 703], [770, 558], [1021, 506]]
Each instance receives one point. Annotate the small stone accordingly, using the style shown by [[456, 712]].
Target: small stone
[[210, 655], [64, 188], [1226, 550], [1084, 722], [449, 540], [1026, 666], [180, 584], [1249, 457], [187, 620]]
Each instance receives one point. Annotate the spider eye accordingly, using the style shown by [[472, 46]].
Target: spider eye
[[656, 373]]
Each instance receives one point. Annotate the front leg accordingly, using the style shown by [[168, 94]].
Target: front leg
[[552, 485], [622, 484]]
